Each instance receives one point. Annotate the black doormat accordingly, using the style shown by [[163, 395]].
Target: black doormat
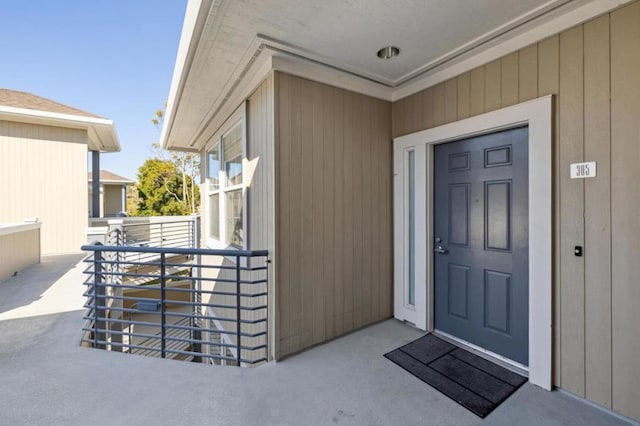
[[473, 382]]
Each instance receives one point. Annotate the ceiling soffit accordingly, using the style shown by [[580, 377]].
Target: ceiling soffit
[[242, 38]]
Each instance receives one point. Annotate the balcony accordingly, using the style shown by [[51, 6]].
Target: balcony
[[151, 291], [207, 306], [48, 378]]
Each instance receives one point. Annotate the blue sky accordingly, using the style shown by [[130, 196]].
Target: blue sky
[[113, 58]]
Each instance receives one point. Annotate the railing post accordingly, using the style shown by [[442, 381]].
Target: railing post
[[98, 295], [116, 238], [163, 319], [266, 315], [195, 231], [196, 286], [238, 311]]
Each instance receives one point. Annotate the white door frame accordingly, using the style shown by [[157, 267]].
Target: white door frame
[[537, 115]]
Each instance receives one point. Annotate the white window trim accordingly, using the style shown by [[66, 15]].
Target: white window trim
[[537, 115], [239, 115]]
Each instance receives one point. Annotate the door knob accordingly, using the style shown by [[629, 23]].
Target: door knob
[[441, 250]]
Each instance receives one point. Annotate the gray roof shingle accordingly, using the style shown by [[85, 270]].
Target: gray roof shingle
[[17, 99]]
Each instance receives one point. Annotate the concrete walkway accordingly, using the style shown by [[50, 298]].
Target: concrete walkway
[[51, 287], [47, 379]]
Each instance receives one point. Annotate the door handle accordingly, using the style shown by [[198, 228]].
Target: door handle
[[441, 250]]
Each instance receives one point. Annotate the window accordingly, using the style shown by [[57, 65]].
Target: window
[[225, 187]]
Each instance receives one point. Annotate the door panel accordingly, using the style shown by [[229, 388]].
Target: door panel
[[459, 214], [497, 211], [458, 288], [481, 240]]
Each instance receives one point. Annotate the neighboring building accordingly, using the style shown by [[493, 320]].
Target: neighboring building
[[113, 194], [324, 153], [43, 165]]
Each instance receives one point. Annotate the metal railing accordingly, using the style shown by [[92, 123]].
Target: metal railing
[[175, 233], [201, 305]]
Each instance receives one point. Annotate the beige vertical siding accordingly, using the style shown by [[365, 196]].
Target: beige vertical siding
[[260, 191], [260, 228], [594, 71], [43, 173], [17, 251], [625, 205], [333, 211], [112, 200], [597, 226]]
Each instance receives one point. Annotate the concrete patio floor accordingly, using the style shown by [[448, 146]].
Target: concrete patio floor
[[47, 378]]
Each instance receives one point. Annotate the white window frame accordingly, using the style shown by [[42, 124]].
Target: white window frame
[[239, 116]]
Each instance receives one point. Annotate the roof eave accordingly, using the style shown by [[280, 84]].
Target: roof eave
[[194, 23], [101, 132], [114, 182]]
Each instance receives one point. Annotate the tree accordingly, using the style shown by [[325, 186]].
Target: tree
[[187, 164], [160, 189]]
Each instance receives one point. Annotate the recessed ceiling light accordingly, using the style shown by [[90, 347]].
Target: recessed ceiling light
[[388, 52]]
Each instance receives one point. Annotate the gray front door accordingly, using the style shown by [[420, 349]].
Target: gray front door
[[481, 245]]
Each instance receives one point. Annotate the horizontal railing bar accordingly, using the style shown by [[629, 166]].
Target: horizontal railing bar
[[176, 266], [168, 313], [130, 264], [204, 330], [179, 340], [184, 281], [254, 361], [211, 305], [258, 321], [173, 302], [155, 324], [93, 305], [200, 355], [185, 266], [209, 252], [179, 223], [147, 336], [183, 278], [137, 299], [254, 348], [253, 308]]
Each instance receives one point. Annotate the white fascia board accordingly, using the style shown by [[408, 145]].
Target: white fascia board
[[108, 142], [39, 116], [195, 19]]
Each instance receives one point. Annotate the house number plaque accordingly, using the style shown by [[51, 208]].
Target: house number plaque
[[583, 170]]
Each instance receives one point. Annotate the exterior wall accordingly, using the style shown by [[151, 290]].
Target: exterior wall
[[18, 250], [43, 174], [111, 200], [333, 165], [261, 214], [594, 71], [260, 226]]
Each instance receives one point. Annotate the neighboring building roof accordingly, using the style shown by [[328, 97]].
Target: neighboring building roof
[[29, 108], [17, 99], [108, 177]]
